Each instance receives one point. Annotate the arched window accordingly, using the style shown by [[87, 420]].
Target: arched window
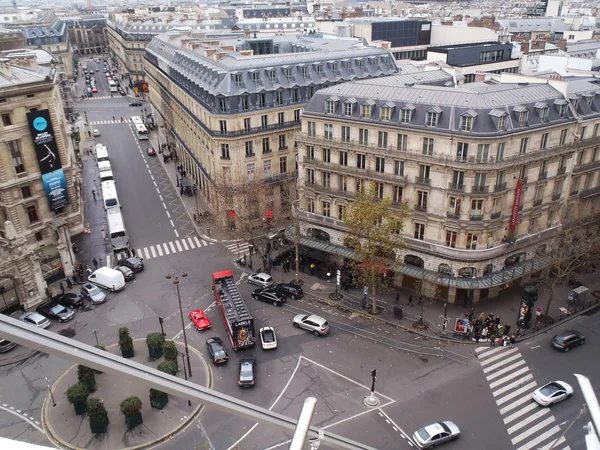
[[467, 272], [445, 269], [514, 259], [318, 234], [413, 260]]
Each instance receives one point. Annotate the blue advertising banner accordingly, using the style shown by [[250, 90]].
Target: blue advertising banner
[[48, 158]]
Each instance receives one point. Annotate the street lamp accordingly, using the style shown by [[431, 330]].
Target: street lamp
[[176, 283], [51, 394]]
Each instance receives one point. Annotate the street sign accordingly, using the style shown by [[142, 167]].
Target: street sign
[[538, 310], [338, 277]]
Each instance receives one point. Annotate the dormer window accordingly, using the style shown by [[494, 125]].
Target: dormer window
[[237, 78], [361, 64], [304, 72], [272, 76], [432, 116], [562, 110], [386, 111], [320, 69], [589, 98], [348, 66], [501, 123], [542, 109], [521, 113], [289, 73], [366, 109], [335, 69], [330, 105], [467, 119], [561, 106], [349, 106], [256, 78], [406, 113]]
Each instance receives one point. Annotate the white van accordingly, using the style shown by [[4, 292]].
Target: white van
[[116, 229], [108, 278], [104, 166], [101, 153], [109, 194], [106, 175]]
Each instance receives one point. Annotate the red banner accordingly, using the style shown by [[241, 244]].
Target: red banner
[[517, 203]]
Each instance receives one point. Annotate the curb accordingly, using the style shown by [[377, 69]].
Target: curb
[[183, 425]]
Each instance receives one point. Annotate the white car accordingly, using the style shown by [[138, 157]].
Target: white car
[[263, 280], [96, 133], [35, 319], [268, 338], [436, 434], [313, 323], [553, 392]]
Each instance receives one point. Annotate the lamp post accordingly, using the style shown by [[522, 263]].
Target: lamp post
[[185, 373], [176, 283], [50, 391], [96, 336]]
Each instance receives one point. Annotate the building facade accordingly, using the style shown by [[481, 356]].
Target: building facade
[[232, 106], [488, 169], [88, 34], [40, 199]]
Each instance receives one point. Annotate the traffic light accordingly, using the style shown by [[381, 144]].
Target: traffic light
[[160, 320], [374, 373]]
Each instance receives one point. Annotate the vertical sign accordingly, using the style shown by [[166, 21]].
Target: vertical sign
[[48, 158], [517, 203]]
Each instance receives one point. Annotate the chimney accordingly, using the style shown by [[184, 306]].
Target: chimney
[[246, 52], [525, 47], [479, 75], [5, 68]]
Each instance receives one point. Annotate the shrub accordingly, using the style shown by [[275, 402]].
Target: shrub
[[97, 415], [125, 340], [86, 376], [170, 351], [77, 396], [155, 342], [131, 406], [168, 367]]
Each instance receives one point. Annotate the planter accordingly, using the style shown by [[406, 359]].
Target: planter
[[80, 408], [155, 353], [160, 400], [91, 385], [155, 342], [127, 353], [133, 421], [98, 427]]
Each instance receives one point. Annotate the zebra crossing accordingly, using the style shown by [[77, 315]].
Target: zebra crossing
[[102, 97], [529, 425], [109, 122], [158, 250], [238, 247]]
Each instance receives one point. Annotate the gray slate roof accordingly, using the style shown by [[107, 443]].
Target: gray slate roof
[[22, 76]]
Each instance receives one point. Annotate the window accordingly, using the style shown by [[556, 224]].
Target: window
[[523, 146], [262, 100], [483, 151], [238, 80], [580, 158], [558, 187], [264, 121], [466, 123], [451, 238], [399, 168], [422, 197], [26, 191], [272, 76], [345, 134], [523, 172], [397, 197], [278, 98], [280, 118], [501, 123], [326, 179], [283, 164], [431, 119], [343, 183], [326, 155], [424, 172], [330, 109], [562, 110], [256, 78], [365, 111], [480, 179], [328, 131], [224, 151], [405, 115], [249, 148], [304, 72], [386, 113], [594, 154], [348, 109], [499, 179], [563, 137], [454, 206], [282, 143], [382, 139], [596, 129], [343, 158], [500, 151], [223, 126], [539, 193], [326, 209], [523, 118], [428, 146], [402, 142], [359, 185], [462, 151], [341, 212], [312, 129], [39, 236], [6, 121], [361, 160], [223, 106], [363, 136], [267, 168], [310, 152], [379, 164], [310, 176], [296, 115], [458, 179], [476, 207], [544, 142], [244, 103], [471, 241], [266, 145], [379, 189], [582, 133], [491, 56], [15, 154], [32, 214], [544, 114], [247, 124], [310, 205], [419, 231]]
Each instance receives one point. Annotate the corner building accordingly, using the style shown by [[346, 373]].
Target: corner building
[[232, 107], [488, 169]]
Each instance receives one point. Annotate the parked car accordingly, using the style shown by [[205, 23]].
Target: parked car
[[6, 345], [94, 89], [216, 350], [135, 104], [134, 264], [247, 374], [200, 320], [35, 319], [151, 151], [263, 280], [436, 434], [268, 338], [93, 293], [69, 299], [269, 296], [313, 323], [568, 339], [127, 272], [551, 393], [55, 311], [290, 290], [96, 133]]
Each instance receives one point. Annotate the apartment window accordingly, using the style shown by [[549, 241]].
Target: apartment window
[[386, 113], [310, 152], [304, 72], [343, 183], [310, 176], [249, 148], [363, 136], [422, 198], [312, 129], [523, 118], [523, 146], [223, 106], [596, 130], [476, 207], [539, 193], [397, 197], [563, 137], [15, 154], [282, 143], [454, 206], [361, 160], [326, 208], [562, 110], [278, 98], [491, 56], [330, 107], [580, 158], [267, 168], [497, 205], [224, 151], [462, 151], [283, 164], [280, 118], [575, 185], [523, 172], [501, 123], [264, 121], [365, 111], [6, 120], [343, 158], [289, 73], [26, 191], [341, 212], [544, 114], [500, 178], [428, 146], [379, 164], [272, 76], [431, 119], [424, 172], [326, 155], [458, 179], [310, 205], [483, 152], [405, 115], [247, 124], [326, 179], [348, 109], [244, 103], [399, 168], [238, 80], [451, 238], [262, 100], [544, 142], [345, 134], [500, 151], [471, 241], [382, 139], [266, 145], [256, 78], [328, 131], [420, 231], [379, 189], [480, 178], [582, 133], [359, 185], [466, 123], [588, 181], [558, 187], [32, 214], [594, 154], [297, 115], [39, 236], [402, 142]]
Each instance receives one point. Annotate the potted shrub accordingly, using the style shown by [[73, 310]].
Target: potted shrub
[[100, 347], [131, 408], [168, 367], [86, 376], [155, 342], [97, 415], [158, 399], [77, 396], [125, 343], [171, 353]]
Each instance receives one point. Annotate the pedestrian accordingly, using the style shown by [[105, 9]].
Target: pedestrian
[[62, 287], [492, 340], [133, 252], [363, 303], [94, 193], [100, 261], [114, 119], [410, 301], [95, 263], [507, 329], [88, 271], [470, 315], [397, 296], [513, 339], [89, 133], [69, 282]]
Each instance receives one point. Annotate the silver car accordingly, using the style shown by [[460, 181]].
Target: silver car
[[35, 319], [436, 434], [263, 280], [312, 323], [93, 293]]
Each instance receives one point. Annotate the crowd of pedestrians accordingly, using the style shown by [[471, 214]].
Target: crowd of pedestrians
[[490, 329]]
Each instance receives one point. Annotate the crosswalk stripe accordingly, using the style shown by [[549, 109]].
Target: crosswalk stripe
[[506, 369], [204, 242], [159, 250], [497, 357], [509, 377], [520, 412], [172, 247], [153, 252], [527, 420], [191, 243], [480, 349], [107, 260], [490, 352], [516, 393], [554, 444], [166, 247], [178, 245], [147, 255], [514, 384], [197, 241], [184, 244], [138, 252], [513, 405], [501, 363], [231, 246], [537, 427]]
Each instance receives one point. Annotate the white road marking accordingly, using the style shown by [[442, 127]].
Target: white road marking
[[172, 247], [32, 423], [497, 357], [516, 393], [185, 246], [509, 377], [161, 199], [506, 369], [166, 247], [168, 215], [527, 420], [520, 412], [542, 437], [178, 246], [191, 243], [153, 252], [146, 253], [176, 234], [395, 425], [172, 224], [159, 250], [204, 242], [197, 242], [533, 348], [164, 206], [500, 364]]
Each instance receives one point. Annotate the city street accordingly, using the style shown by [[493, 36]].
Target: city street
[[414, 388]]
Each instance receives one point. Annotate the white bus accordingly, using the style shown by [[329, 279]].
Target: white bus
[[137, 120], [112, 86], [141, 132], [116, 229], [101, 153], [109, 194]]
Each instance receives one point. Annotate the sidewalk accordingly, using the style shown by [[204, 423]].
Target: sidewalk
[[68, 430]]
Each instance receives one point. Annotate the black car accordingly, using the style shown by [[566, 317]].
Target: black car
[[135, 104], [269, 296], [134, 264], [568, 339], [127, 272], [70, 300], [55, 311], [247, 376], [290, 290], [216, 350]]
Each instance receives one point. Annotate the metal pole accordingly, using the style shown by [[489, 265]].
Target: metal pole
[[187, 352], [96, 335], [162, 330], [445, 314], [371, 400], [51, 394], [185, 375], [304, 420]]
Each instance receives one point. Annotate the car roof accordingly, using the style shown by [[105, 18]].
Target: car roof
[[36, 317], [247, 358], [214, 340], [316, 318], [267, 329], [568, 333], [434, 428]]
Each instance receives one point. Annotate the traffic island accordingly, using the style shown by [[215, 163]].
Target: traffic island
[[66, 429]]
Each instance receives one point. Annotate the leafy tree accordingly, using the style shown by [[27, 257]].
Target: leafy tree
[[375, 229]]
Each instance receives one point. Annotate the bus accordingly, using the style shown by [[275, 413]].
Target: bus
[[116, 229], [101, 153], [112, 86], [137, 120], [141, 131], [109, 194]]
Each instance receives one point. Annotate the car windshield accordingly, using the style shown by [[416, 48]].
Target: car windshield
[[560, 339], [94, 290], [268, 336], [246, 370], [548, 390], [58, 309], [423, 434], [445, 427]]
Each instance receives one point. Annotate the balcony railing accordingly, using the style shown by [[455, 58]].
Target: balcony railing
[[479, 188], [355, 171], [537, 202], [573, 193], [476, 215], [420, 208], [500, 187], [556, 197], [423, 180], [561, 170], [496, 215], [543, 175], [456, 187], [261, 129], [453, 215], [586, 193], [588, 166]]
